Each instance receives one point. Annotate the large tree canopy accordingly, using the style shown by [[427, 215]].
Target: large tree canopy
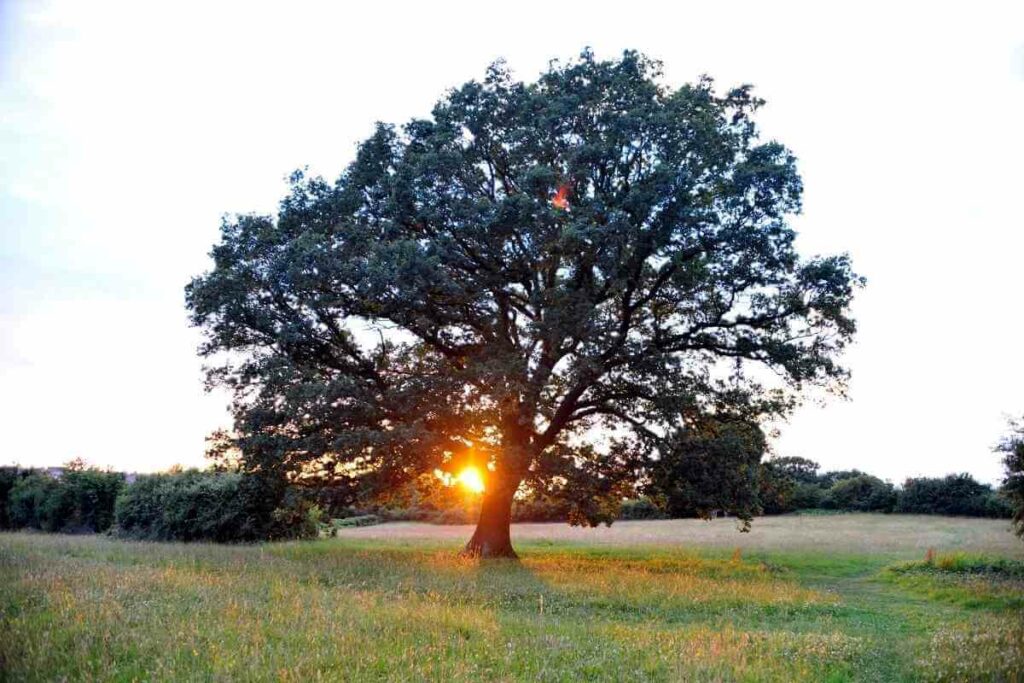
[[567, 282]]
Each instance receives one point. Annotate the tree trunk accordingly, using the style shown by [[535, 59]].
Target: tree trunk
[[492, 537]]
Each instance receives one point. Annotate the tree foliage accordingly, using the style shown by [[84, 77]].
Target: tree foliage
[[193, 505], [799, 470], [9, 476], [954, 494], [80, 500], [564, 281], [1012, 448], [713, 466], [861, 493]]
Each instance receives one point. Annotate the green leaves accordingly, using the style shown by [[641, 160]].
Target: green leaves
[[1012, 448], [533, 262]]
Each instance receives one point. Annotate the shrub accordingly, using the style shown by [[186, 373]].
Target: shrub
[[776, 488], [9, 476], [828, 479], [402, 514], [81, 500], [454, 516], [213, 506], [297, 516], [641, 508], [965, 564], [358, 520], [956, 494], [806, 496], [790, 484], [861, 493], [29, 502], [539, 509], [90, 497]]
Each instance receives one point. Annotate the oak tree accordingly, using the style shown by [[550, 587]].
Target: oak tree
[[563, 282]]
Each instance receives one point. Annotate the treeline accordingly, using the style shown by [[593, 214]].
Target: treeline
[[786, 485], [792, 484], [195, 505], [188, 505], [80, 500]]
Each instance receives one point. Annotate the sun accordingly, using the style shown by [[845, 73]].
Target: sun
[[471, 478]]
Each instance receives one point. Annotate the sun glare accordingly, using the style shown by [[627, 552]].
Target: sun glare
[[471, 479]]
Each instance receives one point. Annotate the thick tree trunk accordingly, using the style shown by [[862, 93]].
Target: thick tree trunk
[[492, 537]]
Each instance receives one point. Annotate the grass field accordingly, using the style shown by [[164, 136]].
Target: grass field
[[804, 598]]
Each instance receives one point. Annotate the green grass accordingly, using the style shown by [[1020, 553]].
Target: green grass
[[378, 609], [963, 579]]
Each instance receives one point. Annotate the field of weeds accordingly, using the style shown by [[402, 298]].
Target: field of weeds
[[358, 608]]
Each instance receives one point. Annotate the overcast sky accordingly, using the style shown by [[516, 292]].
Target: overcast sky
[[127, 130]]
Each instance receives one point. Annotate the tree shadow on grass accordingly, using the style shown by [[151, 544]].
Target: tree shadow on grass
[[670, 588]]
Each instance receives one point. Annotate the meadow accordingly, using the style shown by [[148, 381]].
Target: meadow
[[823, 598]]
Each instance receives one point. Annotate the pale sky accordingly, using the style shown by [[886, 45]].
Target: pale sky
[[127, 130]]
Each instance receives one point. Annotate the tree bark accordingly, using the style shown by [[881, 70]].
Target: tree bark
[[492, 537]]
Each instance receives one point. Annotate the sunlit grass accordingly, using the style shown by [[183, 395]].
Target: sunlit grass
[[93, 608]]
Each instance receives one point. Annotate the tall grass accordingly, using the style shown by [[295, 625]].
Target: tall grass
[[82, 608]]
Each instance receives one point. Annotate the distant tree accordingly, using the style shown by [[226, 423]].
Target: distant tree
[[714, 465], [81, 500], [9, 476], [76, 464], [563, 282], [1012, 448], [806, 496], [775, 488], [827, 479], [789, 483], [954, 494], [642, 508], [34, 502], [797, 469], [861, 493]]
